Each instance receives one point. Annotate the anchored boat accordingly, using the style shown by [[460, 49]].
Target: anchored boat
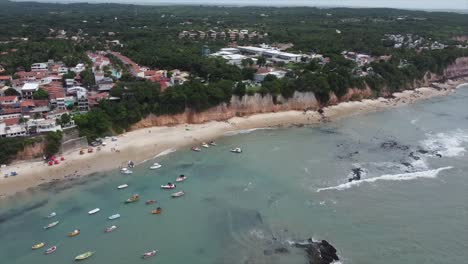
[[84, 255], [74, 233], [110, 229], [177, 194], [132, 199], [155, 166], [149, 254], [114, 216], [95, 210], [37, 246], [50, 250], [123, 186], [51, 225]]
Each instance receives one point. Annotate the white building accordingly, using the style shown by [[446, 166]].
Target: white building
[[259, 77], [12, 131], [28, 90], [39, 66], [270, 53]]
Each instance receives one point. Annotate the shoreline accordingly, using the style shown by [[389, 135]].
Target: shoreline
[[145, 144]]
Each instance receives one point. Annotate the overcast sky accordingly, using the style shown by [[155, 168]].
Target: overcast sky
[[460, 5]]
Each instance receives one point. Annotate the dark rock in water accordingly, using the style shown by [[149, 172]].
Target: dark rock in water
[[356, 175], [281, 250], [414, 156], [439, 155], [267, 252], [407, 164], [392, 144], [422, 151], [320, 111], [319, 252]]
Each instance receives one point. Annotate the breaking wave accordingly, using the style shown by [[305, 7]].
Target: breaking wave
[[448, 144], [388, 177], [246, 131], [165, 152]]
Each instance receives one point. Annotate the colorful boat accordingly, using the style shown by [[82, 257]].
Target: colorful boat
[[196, 149], [51, 225], [114, 216], [132, 199], [181, 178], [50, 250], [84, 255], [149, 254], [157, 211], [150, 202], [110, 229], [178, 194], [37, 246], [74, 233], [168, 186], [95, 210]]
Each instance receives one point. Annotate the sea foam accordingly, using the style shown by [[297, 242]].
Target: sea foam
[[246, 131], [450, 144], [388, 177]]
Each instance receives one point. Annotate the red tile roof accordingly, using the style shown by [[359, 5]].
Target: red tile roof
[[54, 91], [11, 121], [5, 78], [8, 111], [27, 103], [8, 98], [41, 102]]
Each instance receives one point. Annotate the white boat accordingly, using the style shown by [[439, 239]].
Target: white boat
[[51, 225], [205, 145], [53, 214], [236, 150], [181, 178], [149, 254], [155, 166], [126, 171], [178, 194], [196, 149], [123, 186], [110, 229], [131, 164], [114, 216], [212, 143], [168, 186], [95, 210], [50, 250]]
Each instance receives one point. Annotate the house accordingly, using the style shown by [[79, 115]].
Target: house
[[5, 78], [39, 66], [105, 84], [93, 100], [11, 130], [29, 89], [43, 125], [8, 100], [260, 75], [270, 53]]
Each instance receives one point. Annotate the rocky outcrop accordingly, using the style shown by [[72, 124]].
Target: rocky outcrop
[[319, 252], [31, 151], [458, 69]]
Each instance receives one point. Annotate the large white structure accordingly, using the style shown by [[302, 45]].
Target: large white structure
[[42, 66], [270, 53], [28, 89]]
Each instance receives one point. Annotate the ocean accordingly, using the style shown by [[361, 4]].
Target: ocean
[[289, 184]]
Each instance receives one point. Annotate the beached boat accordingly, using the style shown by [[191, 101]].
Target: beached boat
[[149, 254], [95, 210], [84, 255], [110, 229], [132, 199], [205, 145], [114, 216], [53, 214], [212, 143], [196, 149], [74, 233], [181, 178], [130, 164], [168, 186], [50, 250], [126, 171], [51, 225], [155, 166], [178, 194], [123, 186], [236, 150], [37, 246], [157, 211], [150, 202]]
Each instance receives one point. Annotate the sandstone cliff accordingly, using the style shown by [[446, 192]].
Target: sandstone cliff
[[32, 151]]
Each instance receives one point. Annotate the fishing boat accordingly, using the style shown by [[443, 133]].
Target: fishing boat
[[50, 250], [196, 149], [130, 164], [212, 143], [150, 202], [178, 194], [149, 254], [84, 255], [123, 186], [37, 246], [236, 150], [168, 186], [132, 199], [157, 211], [126, 171], [114, 216], [74, 233], [155, 166], [53, 214], [110, 229], [95, 210], [51, 225], [181, 178], [205, 145]]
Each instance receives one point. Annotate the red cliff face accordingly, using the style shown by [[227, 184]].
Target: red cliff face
[[457, 69], [30, 152]]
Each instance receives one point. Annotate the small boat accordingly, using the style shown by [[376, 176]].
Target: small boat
[[114, 216], [130, 164], [53, 214], [150, 202], [181, 178], [132, 199], [110, 229], [196, 149], [155, 166], [95, 210], [236, 150], [123, 186], [51, 225], [177, 194], [168, 186], [74, 233], [157, 211], [50, 250], [37, 246], [205, 145], [126, 171], [149, 254], [84, 255], [212, 143]]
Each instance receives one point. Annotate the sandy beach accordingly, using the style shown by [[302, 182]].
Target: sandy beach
[[144, 144]]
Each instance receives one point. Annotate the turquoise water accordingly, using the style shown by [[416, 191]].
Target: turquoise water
[[289, 184]]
